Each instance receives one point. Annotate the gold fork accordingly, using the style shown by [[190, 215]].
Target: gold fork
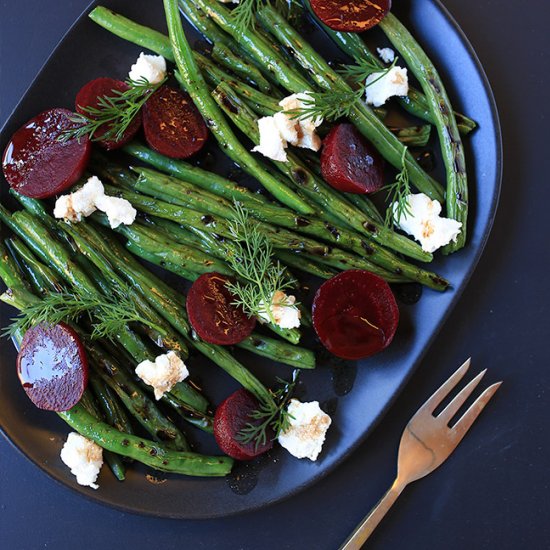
[[426, 443]]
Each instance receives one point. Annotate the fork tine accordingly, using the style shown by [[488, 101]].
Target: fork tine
[[444, 390], [468, 418], [452, 408]]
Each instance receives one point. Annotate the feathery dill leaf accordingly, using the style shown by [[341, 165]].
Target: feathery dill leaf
[[397, 195], [250, 255], [244, 14], [107, 314], [270, 416], [334, 104], [114, 113]]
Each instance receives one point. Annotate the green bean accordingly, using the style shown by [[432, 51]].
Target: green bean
[[152, 454], [445, 122], [286, 353], [113, 411], [413, 136], [298, 261], [192, 174]]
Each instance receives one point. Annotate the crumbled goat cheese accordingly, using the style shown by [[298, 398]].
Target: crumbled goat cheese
[[283, 311], [119, 211], [91, 197], [387, 55], [277, 131], [84, 458], [424, 223], [167, 370], [272, 145], [149, 67], [81, 203], [305, 436], [305, 135], [380, 88]]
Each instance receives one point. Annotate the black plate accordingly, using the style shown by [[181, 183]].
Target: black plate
[[87, 52]]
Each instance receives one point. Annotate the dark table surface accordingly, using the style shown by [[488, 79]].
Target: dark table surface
[[492, 493]]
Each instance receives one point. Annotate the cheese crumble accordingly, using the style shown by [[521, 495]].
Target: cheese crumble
[[84, 458], [422, 220], [164, 373], [306, 434]]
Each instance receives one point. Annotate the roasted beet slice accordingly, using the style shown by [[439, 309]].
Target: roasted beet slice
[[211, 312], [172, 124], [89, 96], [355, 314], [351, 15], [52, 367], [349, 162], [230, 418], [37, 164]]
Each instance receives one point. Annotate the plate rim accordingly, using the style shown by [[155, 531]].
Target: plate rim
[[493, 209]]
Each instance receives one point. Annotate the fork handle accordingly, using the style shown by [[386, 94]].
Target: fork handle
[[365, 529]]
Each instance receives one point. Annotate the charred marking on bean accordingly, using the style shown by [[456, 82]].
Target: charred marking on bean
[[228, 104], [141, 445], [368, 248], [207, 219], [302, 222], [370, 227], [153, 451], [333, 231], [299, 175], [125, 442]]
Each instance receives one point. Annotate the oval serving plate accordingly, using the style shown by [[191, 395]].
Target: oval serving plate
[[374, 383]]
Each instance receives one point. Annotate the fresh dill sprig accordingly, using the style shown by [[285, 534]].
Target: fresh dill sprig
[[398, 194], [107, 314], [274, 415], [329, 105], [250, 255], [244, 14], [362, 69], [113, 114], [334, 104]]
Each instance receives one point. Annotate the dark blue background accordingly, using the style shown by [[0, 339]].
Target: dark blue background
[[492, 493]]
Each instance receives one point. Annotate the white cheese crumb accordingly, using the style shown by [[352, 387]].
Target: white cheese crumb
[[305, 127], [167, 370], [283, 311], [81, 203], [84, 458], [91, 197], [229, 1], [307, 431], [380, 88], [119, 211], [272, 145], [425, 224], [277, 131], [149, 67], [387, 55]]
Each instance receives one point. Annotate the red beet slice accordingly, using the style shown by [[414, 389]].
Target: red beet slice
[[355, 314], [37, 164], [89, 95], [230, 418], [52, 367], [172, 124], [351, 15], [350, 163], [212, 315]]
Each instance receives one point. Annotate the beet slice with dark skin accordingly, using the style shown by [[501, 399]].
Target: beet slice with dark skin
[[350, 163], [172, 124], [37, 164], [52, 367], [89, 96], [355, 314], [351, 15], [212, 313], [230, 418]]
